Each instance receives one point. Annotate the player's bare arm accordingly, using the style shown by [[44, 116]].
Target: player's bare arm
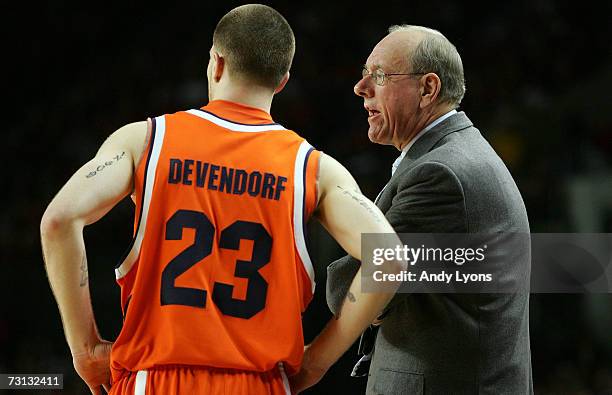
[[346, 214], [89, 194]]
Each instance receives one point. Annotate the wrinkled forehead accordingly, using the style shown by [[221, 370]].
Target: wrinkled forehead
[[392, 53]]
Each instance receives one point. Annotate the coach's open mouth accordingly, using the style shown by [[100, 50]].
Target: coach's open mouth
[[371, 111]]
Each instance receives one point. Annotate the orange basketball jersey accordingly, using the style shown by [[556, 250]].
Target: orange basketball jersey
[[218, 273]]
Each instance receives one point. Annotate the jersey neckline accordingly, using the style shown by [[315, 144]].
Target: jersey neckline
[[238, 113]]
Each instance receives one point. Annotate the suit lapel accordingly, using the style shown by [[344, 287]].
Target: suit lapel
[[424, 144], [429, 139]]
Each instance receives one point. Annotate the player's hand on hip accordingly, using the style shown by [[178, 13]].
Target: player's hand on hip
[[309, 374], [93, 366]]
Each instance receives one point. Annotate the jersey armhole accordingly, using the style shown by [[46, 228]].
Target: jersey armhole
[[141, 158], [317, 187], [312, 184], [145, 146]]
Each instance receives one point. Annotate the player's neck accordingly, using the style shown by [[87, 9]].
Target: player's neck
[[253, 97]]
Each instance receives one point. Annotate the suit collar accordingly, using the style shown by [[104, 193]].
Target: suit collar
[[428, 140]]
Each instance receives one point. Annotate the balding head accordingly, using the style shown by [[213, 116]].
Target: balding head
[[429, 51], [412, 77]]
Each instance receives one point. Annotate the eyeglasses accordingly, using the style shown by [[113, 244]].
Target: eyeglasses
[[380, 77]]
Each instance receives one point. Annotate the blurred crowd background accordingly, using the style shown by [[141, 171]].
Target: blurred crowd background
[[539, 82]]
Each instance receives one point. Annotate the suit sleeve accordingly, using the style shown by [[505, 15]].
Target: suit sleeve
[[340, 275], [429, 199]]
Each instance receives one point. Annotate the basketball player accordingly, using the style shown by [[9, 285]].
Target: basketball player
[[218, 275]]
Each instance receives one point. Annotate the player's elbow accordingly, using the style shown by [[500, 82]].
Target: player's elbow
[[53, 223]]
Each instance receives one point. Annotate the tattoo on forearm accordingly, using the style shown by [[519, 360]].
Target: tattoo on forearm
[[351, 297], [84, 271], [359, 198], [104, 165]]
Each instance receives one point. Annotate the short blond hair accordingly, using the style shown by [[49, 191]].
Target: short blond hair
[[258, 43]]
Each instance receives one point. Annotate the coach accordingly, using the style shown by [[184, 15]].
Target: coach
[[447, 179]]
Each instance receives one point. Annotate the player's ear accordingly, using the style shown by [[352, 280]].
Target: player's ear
[[217, 66], [282, 84]]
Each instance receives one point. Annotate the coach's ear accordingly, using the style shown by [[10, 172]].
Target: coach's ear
[[282, 84]]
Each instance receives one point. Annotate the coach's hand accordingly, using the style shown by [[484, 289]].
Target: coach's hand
[[93, 365], [309, 374]]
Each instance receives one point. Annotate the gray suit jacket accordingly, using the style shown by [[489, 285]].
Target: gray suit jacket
[[450, 181]]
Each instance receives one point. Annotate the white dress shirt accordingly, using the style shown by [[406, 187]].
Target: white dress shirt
[[418, 135], [411, 143]]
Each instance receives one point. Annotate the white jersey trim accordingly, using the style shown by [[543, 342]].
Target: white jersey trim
[[236, 127], [286, 385], [150, 171], [299, 191], [140, 387]]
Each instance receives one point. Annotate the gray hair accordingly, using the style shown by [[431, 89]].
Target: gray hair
[[435, 54]]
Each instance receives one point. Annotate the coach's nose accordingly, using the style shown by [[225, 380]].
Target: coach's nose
[[363, 87]]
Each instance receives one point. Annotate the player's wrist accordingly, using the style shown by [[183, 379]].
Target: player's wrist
[[316, 359], [82, 344], [81, 350]]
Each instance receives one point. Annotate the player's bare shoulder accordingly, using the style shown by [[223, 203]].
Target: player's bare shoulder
[[333, 176], [131, 139]]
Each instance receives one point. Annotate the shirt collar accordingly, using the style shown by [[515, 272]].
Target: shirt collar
[[417, 136]]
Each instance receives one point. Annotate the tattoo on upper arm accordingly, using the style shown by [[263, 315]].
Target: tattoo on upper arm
[[351, 297], [359, 198], [84, 271], [104, 165]]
